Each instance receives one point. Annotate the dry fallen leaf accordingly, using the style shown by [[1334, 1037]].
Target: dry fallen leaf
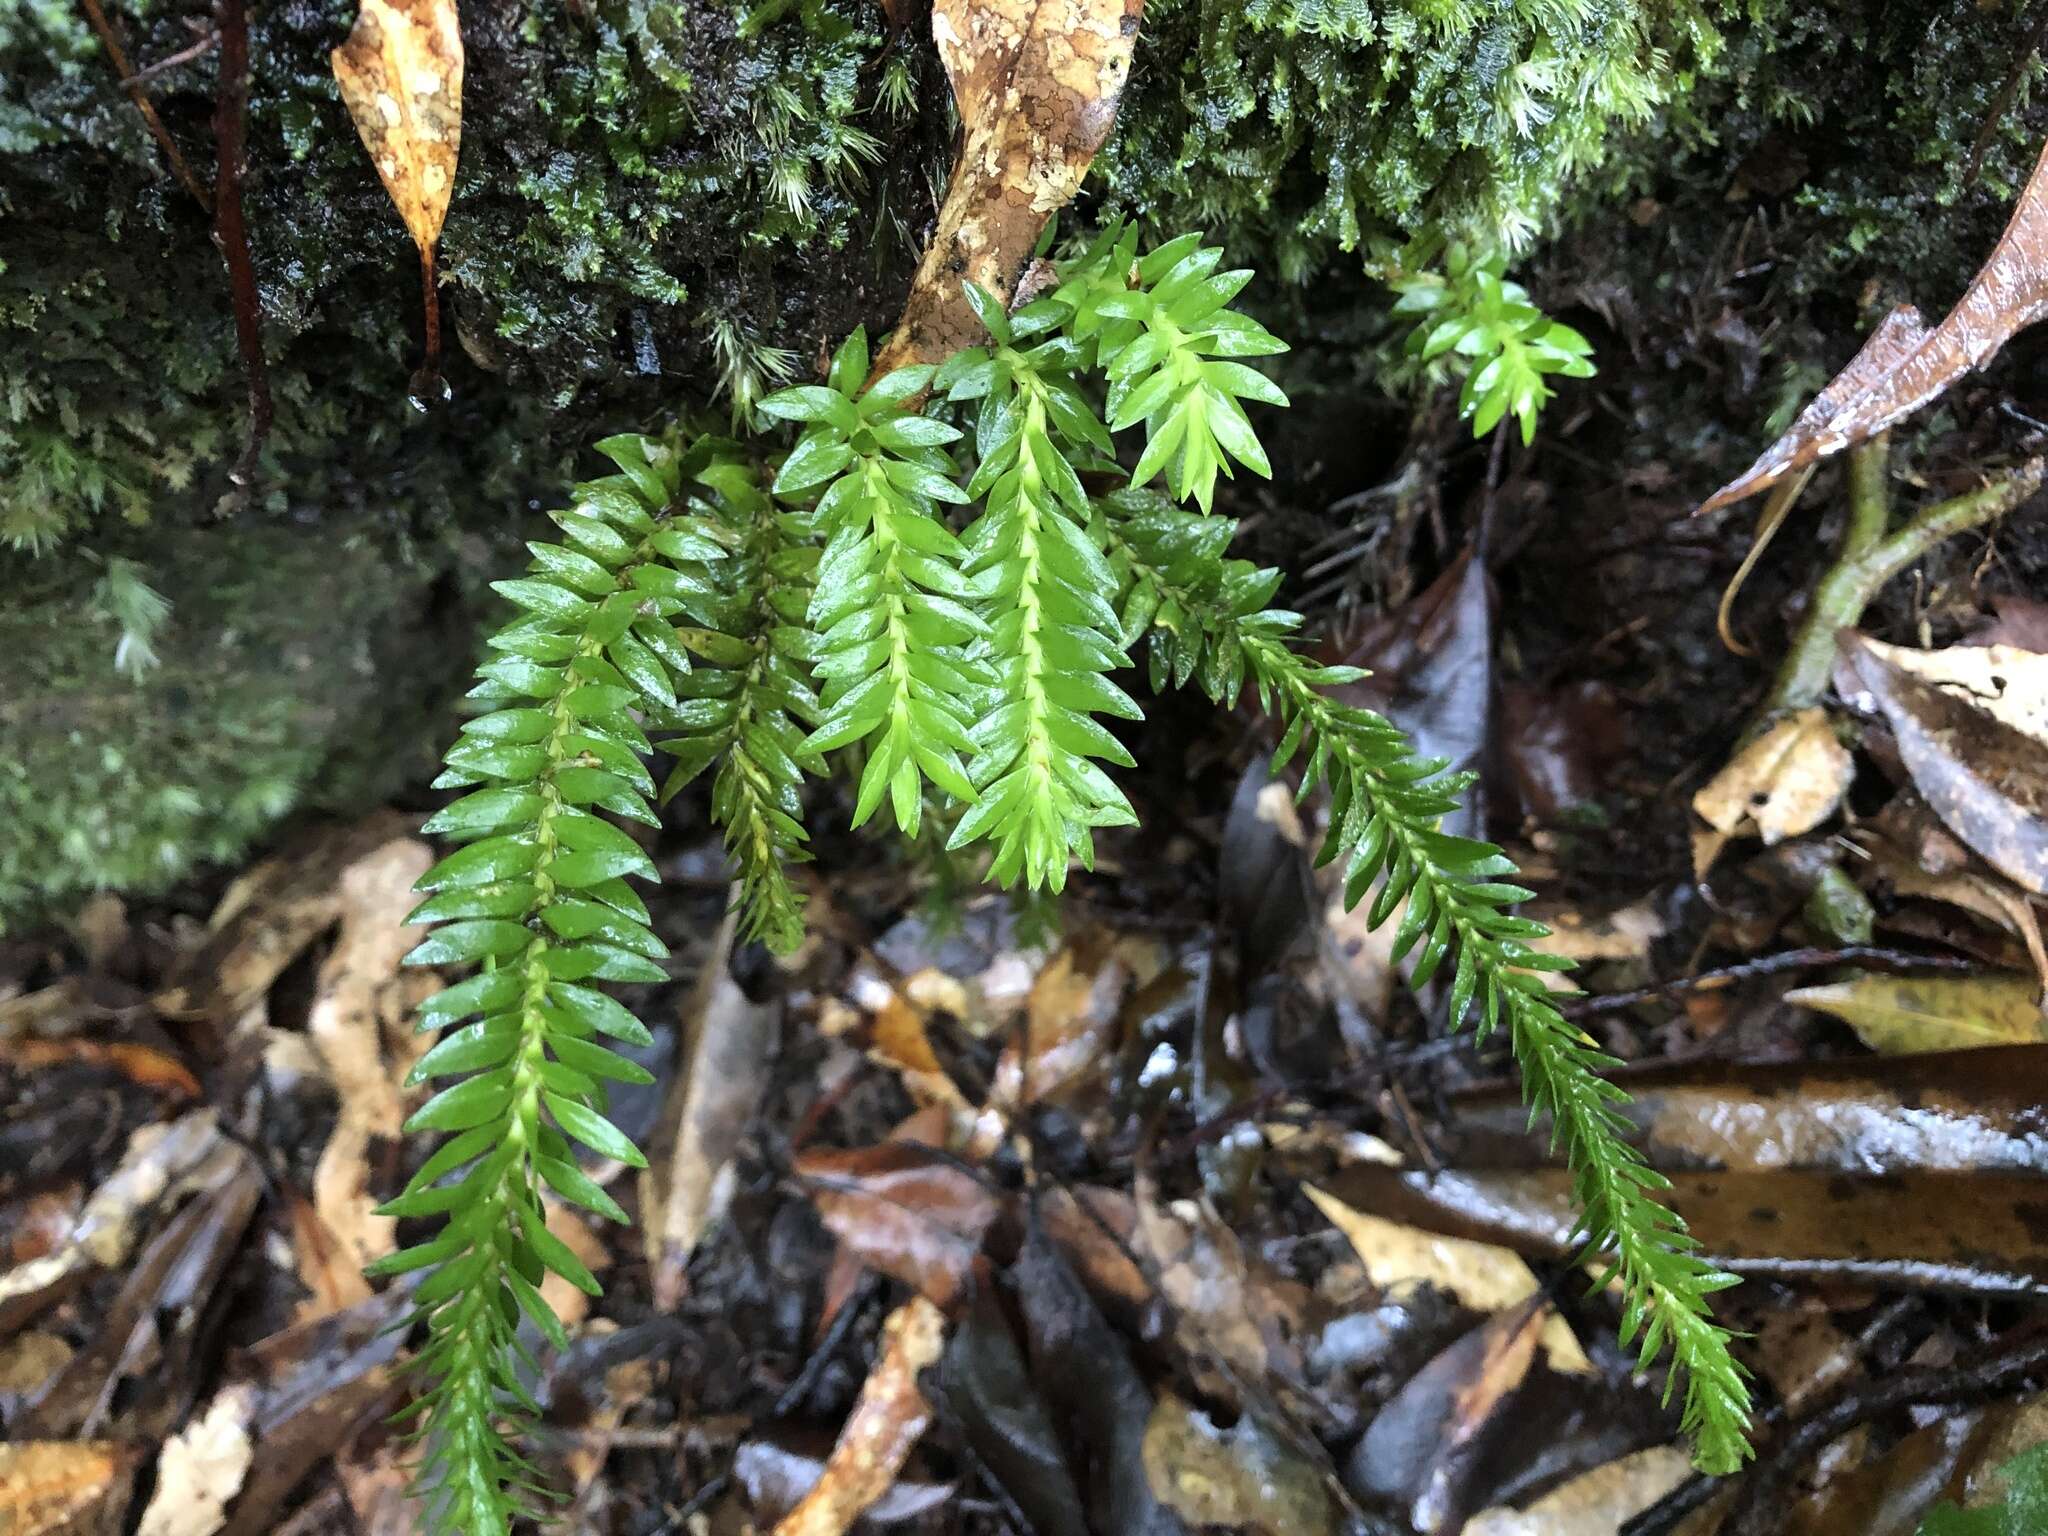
[[729, 1043], [1244, 1477], [400, 73], [1037, 84], [63, 1488], [355, 998], [1901, 1015], [202, 1467], [1983, 777], [909, 1211], [1785, 782], [1904, 364], [1595, 1503], [143, 1065], [1484, 1277], [2007, 683], [887, 1421]]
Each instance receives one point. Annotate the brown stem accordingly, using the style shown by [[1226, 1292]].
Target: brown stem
[[132, 84], [230, 109], [427, 388]]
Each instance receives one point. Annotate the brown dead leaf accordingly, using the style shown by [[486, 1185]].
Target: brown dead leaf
[[266, 919], [143, 1065], [1037, 83], [1069, 1031], [2008, 684], [1983, 777], [1419, 1448], [1904, 365], [63, 1488], [887, 1421], [1785, 782], [906, 1210], [1229, 1307], [729, 1041], [1244, 1477], [1900, 1015], [160, 1160]]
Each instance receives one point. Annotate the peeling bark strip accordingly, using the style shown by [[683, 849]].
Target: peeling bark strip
[[230, 109], [1904, 365], [1037, 83]]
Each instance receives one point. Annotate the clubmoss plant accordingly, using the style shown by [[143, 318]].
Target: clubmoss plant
[[926, 584]]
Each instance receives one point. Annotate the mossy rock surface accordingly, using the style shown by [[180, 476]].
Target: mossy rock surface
[[656, 212], [304, 664]]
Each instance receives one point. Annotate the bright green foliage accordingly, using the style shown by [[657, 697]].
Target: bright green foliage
[[1505, 346], [1161, 330], [747, 702], [537, 896], [968, 674], [2022, 1512], [1050, 636], [891, 609], [1207, 621]]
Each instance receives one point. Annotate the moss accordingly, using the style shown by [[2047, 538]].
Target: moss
[[301, 664], [1299, 128]]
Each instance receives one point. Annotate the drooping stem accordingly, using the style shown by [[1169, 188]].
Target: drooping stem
[[132, 82], [1872, 554]]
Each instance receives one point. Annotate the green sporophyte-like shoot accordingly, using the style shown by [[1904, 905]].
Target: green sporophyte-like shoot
[[915, 580]]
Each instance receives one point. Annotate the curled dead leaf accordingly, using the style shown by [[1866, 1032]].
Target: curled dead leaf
[[904, 1209], [1904, 365], [1981, 775], [1037, 83]]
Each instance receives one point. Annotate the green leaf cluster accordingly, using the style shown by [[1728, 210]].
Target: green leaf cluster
[[650, 569], [1472, 320], [938, 584]]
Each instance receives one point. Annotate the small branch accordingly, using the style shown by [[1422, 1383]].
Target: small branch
[[1974, 1378], [231, 105], [1857, 578], [131, 82], [164, 66]]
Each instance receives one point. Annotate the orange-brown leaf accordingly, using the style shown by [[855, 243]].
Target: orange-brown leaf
[[1037, 83], [400, 73], [1904, 365], [886, 1423]]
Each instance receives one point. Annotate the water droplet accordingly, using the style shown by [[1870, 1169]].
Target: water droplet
[[428, 391]]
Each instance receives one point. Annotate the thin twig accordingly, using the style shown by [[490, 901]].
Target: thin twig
[[132, 84], [164, 66], [1875, 957]]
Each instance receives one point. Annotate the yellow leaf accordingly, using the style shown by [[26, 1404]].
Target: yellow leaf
[[400, 73], [1785, 782], [1037, 83], [1901, 1015]]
